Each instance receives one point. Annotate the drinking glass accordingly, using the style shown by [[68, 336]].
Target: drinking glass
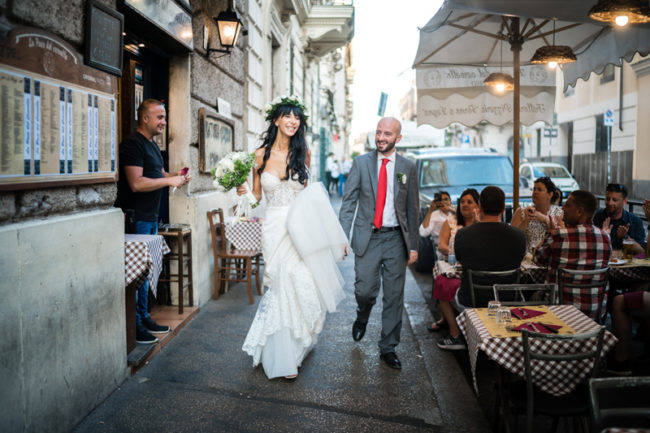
[[504, 317], [493, 306], [628, 248]]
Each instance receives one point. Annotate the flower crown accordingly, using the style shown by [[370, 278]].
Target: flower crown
[[292, 100]]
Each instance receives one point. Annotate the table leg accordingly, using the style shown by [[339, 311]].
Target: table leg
[[180, 272]]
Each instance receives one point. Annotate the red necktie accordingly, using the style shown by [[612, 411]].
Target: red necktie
[[381, 194]]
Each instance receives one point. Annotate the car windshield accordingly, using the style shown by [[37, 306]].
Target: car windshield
[[466, 171], [550, 171]]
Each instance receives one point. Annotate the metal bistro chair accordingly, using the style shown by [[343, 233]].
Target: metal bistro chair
[[491, 276], [539, 294], [620, 402], [575, 403], [231, 264], [572, 293]]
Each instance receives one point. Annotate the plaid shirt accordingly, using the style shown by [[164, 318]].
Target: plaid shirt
[[582, 247]]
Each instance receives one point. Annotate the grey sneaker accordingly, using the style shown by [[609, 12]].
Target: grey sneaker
[[451, 343]]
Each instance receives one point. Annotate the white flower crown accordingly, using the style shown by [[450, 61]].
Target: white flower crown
[[292, 100]]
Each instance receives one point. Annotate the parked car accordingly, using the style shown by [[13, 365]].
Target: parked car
[[529, 171], [455, 169]]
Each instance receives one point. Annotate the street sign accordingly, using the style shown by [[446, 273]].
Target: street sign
[[382, 104], [608, 117], [550, 132]]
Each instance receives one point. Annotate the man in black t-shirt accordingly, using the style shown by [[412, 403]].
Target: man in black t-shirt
[[489, 245], [142, 178]]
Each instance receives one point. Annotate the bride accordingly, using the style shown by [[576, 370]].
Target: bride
[[299, 265]]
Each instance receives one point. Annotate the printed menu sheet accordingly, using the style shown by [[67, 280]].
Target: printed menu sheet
[[49, 128]]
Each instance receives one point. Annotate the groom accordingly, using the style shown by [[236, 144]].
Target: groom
[[382, 189]]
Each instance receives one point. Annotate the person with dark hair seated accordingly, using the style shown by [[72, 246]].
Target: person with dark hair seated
[[578, 246], [624, 307], [490, 245], [618, 222], [534, 220], [439, 210]]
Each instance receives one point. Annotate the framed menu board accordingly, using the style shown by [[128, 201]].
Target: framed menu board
[[216, 138], [58, 123]]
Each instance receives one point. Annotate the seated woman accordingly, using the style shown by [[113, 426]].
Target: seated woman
[[534, 220], [445, 287], [439, 210]]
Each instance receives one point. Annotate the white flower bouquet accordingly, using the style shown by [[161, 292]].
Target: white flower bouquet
[[232, 171]]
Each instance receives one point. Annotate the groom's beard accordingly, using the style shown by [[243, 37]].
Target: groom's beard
[[385, 146]]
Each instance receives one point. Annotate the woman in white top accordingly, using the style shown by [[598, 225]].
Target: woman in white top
[[534, 220], [440, 209]]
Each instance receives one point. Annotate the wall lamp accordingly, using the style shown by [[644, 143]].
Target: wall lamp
[[229, 26]]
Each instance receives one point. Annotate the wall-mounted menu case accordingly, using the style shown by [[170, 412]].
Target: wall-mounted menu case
[[58, 117]]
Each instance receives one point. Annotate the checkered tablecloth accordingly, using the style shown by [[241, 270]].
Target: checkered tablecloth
[[444, 268], [508, 352], [245, 235], [634, 272], [143, 258]]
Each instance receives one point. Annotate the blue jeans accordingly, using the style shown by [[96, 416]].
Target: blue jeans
[[142, 295], [342, 180]]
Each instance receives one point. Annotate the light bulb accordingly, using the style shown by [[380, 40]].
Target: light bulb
[[229, 31], [622, 20], [552, 64], [500, 87]]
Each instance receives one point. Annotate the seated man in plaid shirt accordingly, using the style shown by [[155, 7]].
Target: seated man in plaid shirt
[[578, 246]]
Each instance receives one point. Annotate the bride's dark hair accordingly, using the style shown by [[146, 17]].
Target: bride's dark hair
[[297, 144]]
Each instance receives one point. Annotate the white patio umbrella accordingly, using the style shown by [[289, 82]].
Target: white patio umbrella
[[469, 33]]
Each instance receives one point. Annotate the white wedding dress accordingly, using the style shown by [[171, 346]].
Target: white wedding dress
[[292, 312]]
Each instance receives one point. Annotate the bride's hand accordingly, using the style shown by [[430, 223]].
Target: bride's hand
[[242, 189], [346, 252]]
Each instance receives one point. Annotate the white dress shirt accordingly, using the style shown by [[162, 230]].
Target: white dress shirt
[[389, 218]]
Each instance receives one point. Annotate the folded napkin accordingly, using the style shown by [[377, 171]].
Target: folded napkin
[[537, 327], [525, 313]]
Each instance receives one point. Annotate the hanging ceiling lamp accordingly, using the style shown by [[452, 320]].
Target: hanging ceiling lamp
[[554, 55], [498, 80], [621, 12]]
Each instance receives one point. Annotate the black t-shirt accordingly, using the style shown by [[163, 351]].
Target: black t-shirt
[[136, 150], [488, 246]]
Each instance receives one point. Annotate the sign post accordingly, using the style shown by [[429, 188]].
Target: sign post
[[382, 104], [608, 121]]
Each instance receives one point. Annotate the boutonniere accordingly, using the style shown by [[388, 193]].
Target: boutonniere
[[401, 177]]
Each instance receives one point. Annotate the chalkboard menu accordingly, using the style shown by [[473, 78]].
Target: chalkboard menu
[[58, 117]]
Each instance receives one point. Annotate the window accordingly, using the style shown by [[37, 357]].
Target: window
[[608, 74], [601, 134], [466, 171]]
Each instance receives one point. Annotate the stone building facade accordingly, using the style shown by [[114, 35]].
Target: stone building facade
[[62, 261]]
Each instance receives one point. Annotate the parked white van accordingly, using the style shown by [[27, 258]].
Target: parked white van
[[529, 171]]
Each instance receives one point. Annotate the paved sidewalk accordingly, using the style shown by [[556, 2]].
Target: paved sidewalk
[[203, 382]]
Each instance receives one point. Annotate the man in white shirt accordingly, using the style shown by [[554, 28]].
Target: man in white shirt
[[344, 168], [329, 164]]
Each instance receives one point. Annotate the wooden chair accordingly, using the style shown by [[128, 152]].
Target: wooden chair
[[568, 294], [539, 294], [527, 398], [231, 264], [487, 288], [620, 402]]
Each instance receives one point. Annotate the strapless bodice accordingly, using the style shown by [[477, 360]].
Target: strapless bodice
[[279, 192]]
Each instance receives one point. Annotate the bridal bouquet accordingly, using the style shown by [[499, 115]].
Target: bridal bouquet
[[232, 171]]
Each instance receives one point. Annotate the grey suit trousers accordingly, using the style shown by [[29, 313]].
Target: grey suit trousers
[[383, 264]]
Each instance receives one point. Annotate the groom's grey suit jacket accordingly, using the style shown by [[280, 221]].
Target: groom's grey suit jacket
[[361, 196]]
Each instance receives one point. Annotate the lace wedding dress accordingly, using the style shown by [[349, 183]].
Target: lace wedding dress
[[292, 312]]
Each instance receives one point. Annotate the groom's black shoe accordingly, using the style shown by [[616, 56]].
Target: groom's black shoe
[[391, 360], [358, 330]]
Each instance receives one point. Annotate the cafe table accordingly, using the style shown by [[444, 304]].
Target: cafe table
[[625, 271], [506, 347], [143, 258], [244, 233]]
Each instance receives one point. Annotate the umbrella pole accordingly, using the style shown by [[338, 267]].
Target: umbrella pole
[[515, 46]]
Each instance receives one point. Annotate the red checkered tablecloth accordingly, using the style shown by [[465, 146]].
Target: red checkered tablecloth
[[142, 258], [245, 235], [508, 352], [636, 270]]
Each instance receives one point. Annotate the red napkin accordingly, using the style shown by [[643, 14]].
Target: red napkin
[[525, 313], [537, 327]]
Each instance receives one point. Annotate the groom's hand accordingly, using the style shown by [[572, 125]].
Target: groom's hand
[[413, 257]]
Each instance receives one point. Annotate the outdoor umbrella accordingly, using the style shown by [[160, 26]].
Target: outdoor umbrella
[[469, 33]]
